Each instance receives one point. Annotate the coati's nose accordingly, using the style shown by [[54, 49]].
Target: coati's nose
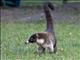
[[26, 42]]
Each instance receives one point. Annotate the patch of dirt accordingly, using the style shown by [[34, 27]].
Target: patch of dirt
[[63, 12]]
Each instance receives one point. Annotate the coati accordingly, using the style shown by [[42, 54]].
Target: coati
[[47, 39]]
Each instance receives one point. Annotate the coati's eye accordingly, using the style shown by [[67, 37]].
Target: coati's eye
[[34, 37], [31, 38]]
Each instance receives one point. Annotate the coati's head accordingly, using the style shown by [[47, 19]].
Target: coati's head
[[38, 38], [32, 38]]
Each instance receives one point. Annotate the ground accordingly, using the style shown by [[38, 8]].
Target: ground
[[14, 35]]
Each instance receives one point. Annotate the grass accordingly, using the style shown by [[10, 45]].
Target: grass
[[13, 36], [40, 2]]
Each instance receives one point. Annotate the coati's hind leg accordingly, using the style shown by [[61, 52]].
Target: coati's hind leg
[[40, 50], [52, 48]]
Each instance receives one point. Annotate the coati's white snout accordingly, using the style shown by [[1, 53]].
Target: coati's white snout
[[27, 42]]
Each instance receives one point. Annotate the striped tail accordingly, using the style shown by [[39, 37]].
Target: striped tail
[[49, 19]]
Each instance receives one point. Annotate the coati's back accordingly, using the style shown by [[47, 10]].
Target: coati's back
[[47, 6]]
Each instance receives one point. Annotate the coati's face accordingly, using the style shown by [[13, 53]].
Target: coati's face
[[36, 38], [32, 39]]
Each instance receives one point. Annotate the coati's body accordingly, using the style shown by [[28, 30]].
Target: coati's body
[[45, 40]]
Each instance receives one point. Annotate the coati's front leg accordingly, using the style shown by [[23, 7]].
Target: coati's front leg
[[40, 50]]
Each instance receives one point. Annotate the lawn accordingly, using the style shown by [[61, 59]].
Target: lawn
[[40, 2], [13, 36]]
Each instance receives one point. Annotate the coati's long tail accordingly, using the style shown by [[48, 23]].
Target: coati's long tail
[[49, 20]]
